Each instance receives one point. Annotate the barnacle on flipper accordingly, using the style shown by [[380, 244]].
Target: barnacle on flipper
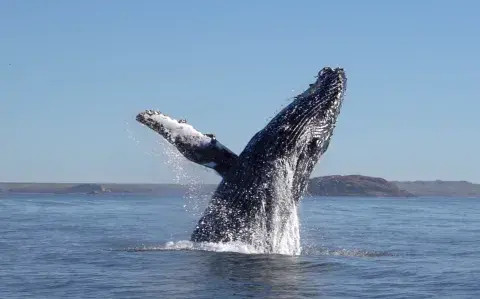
[[210, 135]]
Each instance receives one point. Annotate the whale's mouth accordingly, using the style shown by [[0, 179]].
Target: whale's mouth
[[327, 77]]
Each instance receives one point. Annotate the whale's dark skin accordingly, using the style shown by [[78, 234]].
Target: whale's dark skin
[[272, 172]]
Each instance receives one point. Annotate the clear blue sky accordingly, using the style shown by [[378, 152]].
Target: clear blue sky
[[73, 74]]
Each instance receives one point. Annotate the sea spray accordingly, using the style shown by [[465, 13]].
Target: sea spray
[[183, 171]]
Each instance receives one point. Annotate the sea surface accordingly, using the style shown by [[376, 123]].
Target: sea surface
[[117, 246]]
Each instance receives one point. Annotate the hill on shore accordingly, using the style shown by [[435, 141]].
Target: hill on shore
[[334, 185], [94, 188], [354, 185]]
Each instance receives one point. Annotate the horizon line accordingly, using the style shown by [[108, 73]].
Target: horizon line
[[178, 183]]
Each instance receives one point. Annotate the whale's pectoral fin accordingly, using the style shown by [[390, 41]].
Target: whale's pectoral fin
[[197, 147]]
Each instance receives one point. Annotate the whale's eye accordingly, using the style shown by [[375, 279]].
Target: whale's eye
[[313, 145], [282, 134]]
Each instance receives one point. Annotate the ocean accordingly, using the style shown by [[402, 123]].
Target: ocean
[[127, 246]]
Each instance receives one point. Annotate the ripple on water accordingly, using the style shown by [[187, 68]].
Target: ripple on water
[[238, 247]]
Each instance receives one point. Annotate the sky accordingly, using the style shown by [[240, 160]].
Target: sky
[[73, 75]]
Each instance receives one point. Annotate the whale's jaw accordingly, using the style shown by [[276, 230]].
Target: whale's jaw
[[302, 131]]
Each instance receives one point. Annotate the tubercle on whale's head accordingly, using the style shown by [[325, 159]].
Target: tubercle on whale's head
[[327, 78]]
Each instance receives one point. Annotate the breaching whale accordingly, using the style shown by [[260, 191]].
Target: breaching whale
[[262, 186]]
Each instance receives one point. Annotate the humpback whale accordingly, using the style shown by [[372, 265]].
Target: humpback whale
[[261, 186]]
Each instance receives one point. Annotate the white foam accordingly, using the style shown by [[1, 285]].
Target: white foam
[[204, 246], [237, 247]]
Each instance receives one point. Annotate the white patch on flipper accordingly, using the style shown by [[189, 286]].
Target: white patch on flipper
[[176, 130], [179, 132]]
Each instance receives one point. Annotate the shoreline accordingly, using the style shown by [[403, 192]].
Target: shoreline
[[330, 186]]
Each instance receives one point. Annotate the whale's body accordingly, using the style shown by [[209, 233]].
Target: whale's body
[[261, 186]]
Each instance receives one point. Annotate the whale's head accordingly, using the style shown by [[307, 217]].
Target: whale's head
[[301, 132]]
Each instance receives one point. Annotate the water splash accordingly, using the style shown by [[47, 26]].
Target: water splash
[[283, 237], [286, 232]]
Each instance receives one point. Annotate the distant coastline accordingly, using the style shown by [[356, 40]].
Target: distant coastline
[[335, 185]]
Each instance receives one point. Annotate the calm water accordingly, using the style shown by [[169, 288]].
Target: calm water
[[115, 247]]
